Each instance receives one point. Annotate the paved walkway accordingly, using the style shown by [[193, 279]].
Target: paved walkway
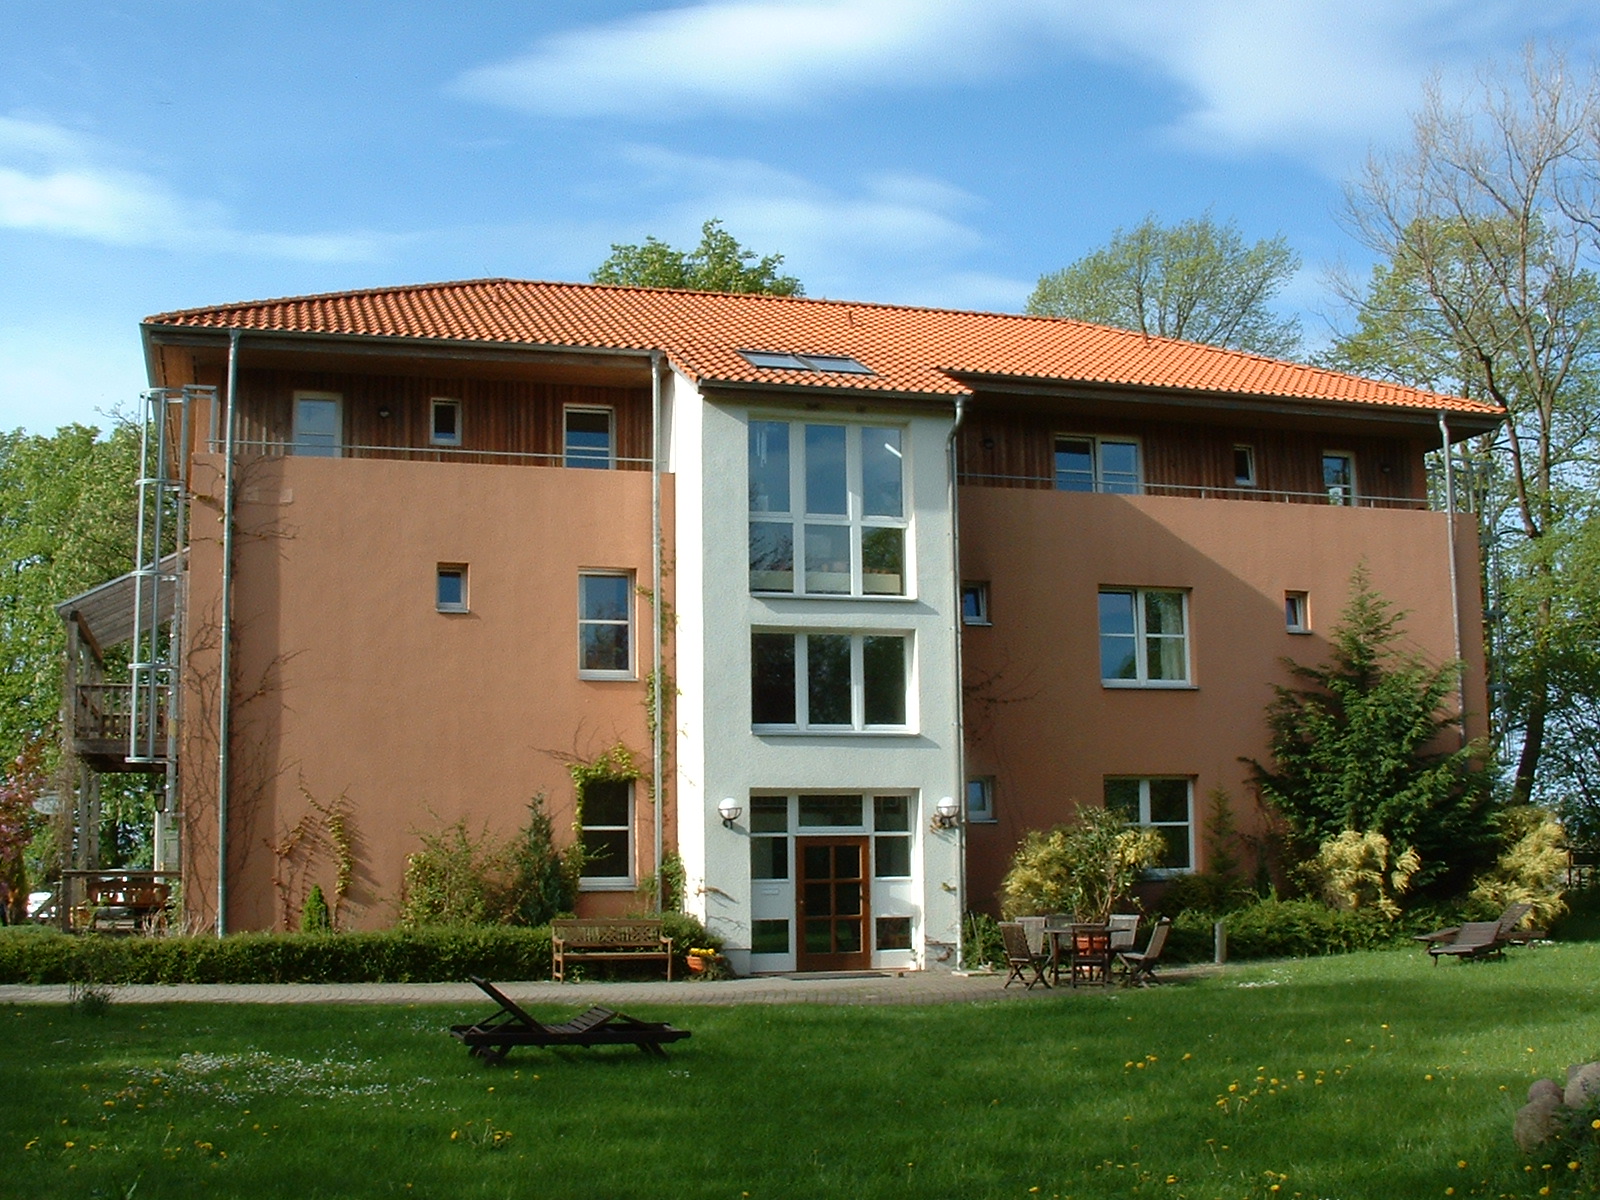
[[912, 987]]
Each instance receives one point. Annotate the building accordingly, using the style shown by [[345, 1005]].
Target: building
[[926, 579]]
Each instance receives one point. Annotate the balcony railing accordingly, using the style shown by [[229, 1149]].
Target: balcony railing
[[102, 719], [1337, 496], [440, 454]]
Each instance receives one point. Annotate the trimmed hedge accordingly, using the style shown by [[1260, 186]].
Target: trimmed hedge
[[1282, 929], [421, 955]]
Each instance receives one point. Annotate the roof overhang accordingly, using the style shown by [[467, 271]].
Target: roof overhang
[[105, 611], [1190, 404]]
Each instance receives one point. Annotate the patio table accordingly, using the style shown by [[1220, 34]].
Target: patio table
[[1087, 951]]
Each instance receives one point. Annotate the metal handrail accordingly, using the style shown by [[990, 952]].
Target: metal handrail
[[1207, 492], [427, 454]]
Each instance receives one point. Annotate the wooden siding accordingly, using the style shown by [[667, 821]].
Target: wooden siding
[[1002, 448], [498, 417]]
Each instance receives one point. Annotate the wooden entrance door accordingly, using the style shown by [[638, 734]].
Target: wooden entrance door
[[831, 901]]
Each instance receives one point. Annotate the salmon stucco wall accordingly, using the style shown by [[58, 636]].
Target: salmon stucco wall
[[1042, 725], [351, 687]]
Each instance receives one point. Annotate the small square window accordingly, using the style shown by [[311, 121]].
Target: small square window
[[894, 933], [769, 937], [980, 799], [1296, 614], [450, 594], [975, 604], [1244, 466], [445, 423]]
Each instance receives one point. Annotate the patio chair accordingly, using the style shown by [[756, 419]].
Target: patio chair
[[1124, 931], [1027, 966], [1508, 921], [1475, 939], [492, 1039], [1138, 967]]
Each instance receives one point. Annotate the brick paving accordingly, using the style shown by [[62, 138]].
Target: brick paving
[[911, 987]]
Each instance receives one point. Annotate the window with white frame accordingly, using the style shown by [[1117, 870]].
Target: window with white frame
[[1339, 476], [829, 681], [1144, 639], [891, 837], [827, 509], [980, 798], [450, 588], [1244, 466], [1097, 464], [975, 604], [1296, 612], [318, 424], [606, 810], [587, 439], [769, 837], [605, 625], [1165, 804], [444, 422]]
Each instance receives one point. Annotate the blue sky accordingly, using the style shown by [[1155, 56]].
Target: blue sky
[[161, 154]]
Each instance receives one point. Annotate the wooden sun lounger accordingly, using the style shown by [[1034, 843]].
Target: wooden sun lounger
[[1476, 939], [492, 1039]]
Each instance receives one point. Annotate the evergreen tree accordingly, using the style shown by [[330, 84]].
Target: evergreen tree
[[1367, 744]]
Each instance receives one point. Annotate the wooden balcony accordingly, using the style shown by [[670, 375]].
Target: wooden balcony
[[102, 719]]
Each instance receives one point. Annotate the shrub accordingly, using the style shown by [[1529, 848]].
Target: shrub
[[981, 943], [461, 878], [1283, 929], [1531, 869], [314, 917], [1083, 868], [1356, 871]]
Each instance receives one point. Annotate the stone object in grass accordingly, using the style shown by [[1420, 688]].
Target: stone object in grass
[[1549, 1109], [1538, 1121]]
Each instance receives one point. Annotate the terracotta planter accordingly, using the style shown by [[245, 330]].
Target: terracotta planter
[[697, 964]]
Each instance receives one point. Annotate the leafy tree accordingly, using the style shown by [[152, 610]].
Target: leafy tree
[[1487, 228], [718, 264], [68, 509], [1196, 280], [1366, 744]]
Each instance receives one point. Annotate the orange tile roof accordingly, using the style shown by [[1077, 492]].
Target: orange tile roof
[[909, 350]]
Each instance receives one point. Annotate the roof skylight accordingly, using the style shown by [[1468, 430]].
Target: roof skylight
[[774, 361]]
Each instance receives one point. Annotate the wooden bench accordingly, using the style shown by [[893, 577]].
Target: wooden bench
[[607, 939]]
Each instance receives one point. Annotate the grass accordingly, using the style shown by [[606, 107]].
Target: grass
[[1370, 1075]]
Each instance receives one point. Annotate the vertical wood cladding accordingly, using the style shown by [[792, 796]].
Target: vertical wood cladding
[[1002, 448], [506, 417]]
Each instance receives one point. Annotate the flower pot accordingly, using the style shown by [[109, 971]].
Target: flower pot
[[697, 964]]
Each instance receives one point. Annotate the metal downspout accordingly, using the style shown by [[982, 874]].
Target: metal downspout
[[1455, 583], [960, 697], [225, 670], [658, 732]]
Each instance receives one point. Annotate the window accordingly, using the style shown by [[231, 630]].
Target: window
[[893, 933], [318, 427], [1339, 477], [444, 426], [1095, 464], [1162, 804], [1296, 612], [769, 937], [769, 838], [980, 799], [1244, 466], [827, 509], [836, 363], [607, 815], [450, 588], [834, 681], [975, 604], [891, 837], [588, 438], [605, 626], [1143, 642], [828, 811]]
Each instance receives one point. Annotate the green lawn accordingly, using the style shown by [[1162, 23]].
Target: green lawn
[[1372, 1075]]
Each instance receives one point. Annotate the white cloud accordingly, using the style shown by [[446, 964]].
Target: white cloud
[[1295, 75], [736, 53], [56, 181]]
